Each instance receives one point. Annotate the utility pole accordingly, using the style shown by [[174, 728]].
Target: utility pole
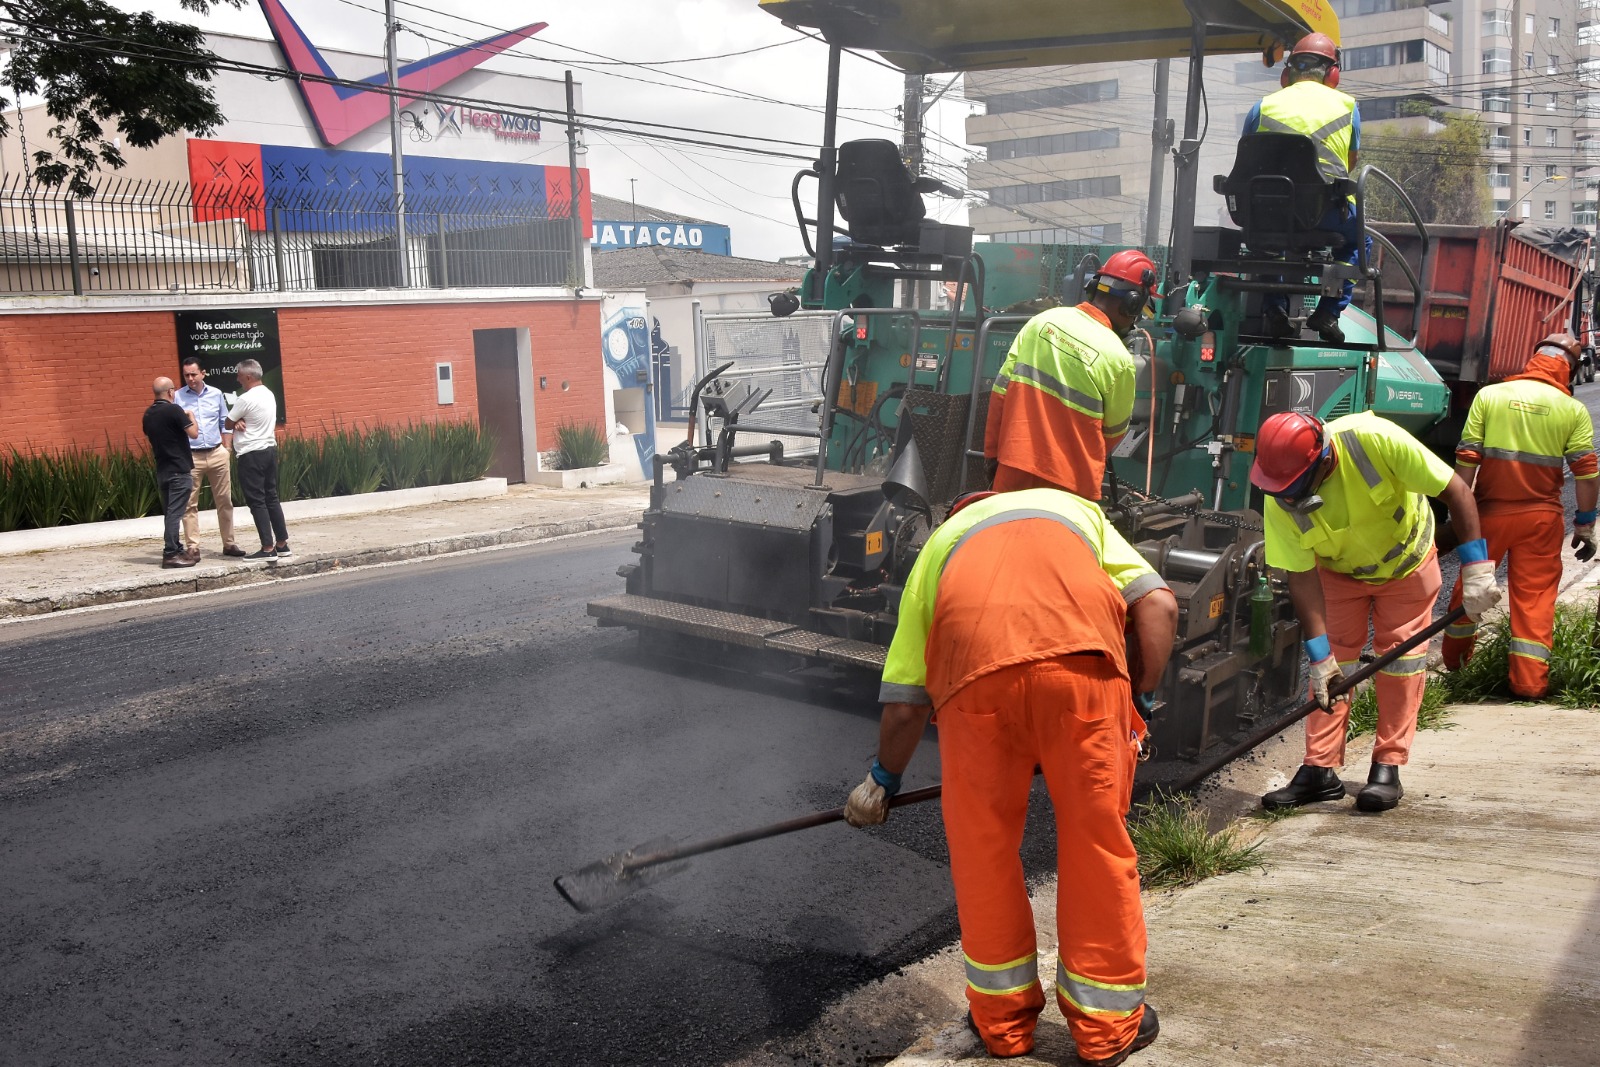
[[572, 183], [396, 154], [633, 198], [1515, 110], [1160, 145], [912, 294]]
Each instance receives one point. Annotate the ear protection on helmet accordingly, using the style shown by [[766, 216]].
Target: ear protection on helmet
[[1130, 300], [1331, 79]]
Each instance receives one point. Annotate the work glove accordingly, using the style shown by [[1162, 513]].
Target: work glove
[[1583, 535], [869, 802], [1325, 672], [1478, 591], [1145, 705]]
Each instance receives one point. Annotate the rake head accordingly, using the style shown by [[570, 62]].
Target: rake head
[[619, 875]]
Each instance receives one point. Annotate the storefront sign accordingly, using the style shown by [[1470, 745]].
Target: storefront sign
[[701, 236], [221, 339], [503, 124]]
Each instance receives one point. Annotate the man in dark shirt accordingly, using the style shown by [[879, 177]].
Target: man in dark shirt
[[170, 429]]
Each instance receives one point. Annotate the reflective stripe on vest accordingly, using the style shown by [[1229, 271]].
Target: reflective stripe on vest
[[1518, 456], [997, 980], [1097, 998], [1461, 630], [1358, 455], [1521, 646], [1009, 516], [1089, 405], [1325, 115]]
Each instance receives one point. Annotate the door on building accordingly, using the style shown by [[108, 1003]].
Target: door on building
[[494, 355]]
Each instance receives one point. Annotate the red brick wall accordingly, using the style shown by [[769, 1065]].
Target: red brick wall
[[81, 377]]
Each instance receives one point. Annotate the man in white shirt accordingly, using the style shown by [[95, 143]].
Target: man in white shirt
[[254, 420]]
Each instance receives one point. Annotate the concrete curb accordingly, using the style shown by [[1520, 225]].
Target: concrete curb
[[220, 575], [83, 535]]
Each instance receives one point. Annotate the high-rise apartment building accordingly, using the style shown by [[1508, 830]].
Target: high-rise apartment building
[[1067, 150]]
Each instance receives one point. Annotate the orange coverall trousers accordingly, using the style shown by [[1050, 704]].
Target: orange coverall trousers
[[1073, 717], [1530, 541], [1397, 610]]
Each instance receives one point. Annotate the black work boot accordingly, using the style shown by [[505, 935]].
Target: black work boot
[[1275, 323], [1327, 326], [1383, 790], [1149, 1027], [1308, 786]]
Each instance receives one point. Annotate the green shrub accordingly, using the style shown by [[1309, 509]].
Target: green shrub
[[134, 493], [462, 452], [403, 454], [85, 479], [43, 494], [581, 444], [10, 495], [1575, 660], [296, 457], [1176, 847], [1485, 674]]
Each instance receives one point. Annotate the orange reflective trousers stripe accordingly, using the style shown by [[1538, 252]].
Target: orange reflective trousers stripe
[[1073, 717], [1397, 610], [1530, 541]]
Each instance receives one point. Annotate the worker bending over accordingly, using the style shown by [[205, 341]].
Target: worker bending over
[[1016, 626], [1518, 435], [1347, 516], [1310, 104], [1064, 395]]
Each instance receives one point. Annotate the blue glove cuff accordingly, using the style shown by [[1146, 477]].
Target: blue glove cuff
[[888, 780], [1145, 703], [1473, 551], [1317, 648], [1583, 518]]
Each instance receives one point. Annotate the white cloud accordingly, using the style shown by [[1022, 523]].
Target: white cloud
[[749, 194]]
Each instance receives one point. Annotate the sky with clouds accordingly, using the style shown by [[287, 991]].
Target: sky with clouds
[[748, 193]]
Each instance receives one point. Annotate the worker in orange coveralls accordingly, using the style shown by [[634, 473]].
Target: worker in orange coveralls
[[1064, 395], [1017, 624], [1518, 435]]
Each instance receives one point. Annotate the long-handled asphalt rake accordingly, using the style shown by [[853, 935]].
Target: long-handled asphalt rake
[[623, 873]]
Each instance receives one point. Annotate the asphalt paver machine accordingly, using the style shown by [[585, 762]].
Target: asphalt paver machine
[[775, 545]]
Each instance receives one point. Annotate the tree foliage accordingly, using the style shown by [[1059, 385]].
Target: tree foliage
[[95, 65], [1443, 172]]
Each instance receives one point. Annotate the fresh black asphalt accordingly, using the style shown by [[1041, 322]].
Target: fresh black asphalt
[[318, 824]]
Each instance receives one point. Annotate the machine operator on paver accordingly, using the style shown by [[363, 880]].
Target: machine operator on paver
[[765, 555]]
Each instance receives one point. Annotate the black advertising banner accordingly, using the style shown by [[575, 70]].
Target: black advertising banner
[[221, 339]]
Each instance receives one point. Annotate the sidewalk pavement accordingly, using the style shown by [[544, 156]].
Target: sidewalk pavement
[[1460, 929], [56, 579]]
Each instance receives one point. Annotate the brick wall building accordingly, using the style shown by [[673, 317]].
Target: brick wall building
[[78, 371]]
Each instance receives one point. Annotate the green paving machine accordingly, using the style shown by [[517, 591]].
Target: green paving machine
[[763, 555]]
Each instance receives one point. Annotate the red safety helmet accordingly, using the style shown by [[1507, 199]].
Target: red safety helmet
[[1321, 46], [1567, 344], [1287, 446], [1131, 266]]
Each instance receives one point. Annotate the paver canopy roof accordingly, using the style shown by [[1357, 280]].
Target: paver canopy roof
[[953, 35]]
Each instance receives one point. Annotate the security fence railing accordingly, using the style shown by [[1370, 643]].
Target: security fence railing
[[151, 237]]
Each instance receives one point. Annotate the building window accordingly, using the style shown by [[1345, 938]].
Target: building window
[[1109, 234], [1589, 32], [1384, 55], [1527, 136], [1053, 96], [1527, 175], [1551, 171], [1550, 210], [1496, 22], [1527, 210], [1550, 105], [1527, 61], [1055, 144], [1497, 100], [1497, 61], [1500, 176], [1550, 137], [1552, 65], [1527, 25], [1501, 138], [1501, 207], [1583, 216], [1438, 60], [1555, 28], [1068, 189]]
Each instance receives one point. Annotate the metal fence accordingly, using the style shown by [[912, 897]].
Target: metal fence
[[785, 355], [152, 237]]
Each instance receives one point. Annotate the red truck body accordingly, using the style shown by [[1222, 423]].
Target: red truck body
[[1489, 294]]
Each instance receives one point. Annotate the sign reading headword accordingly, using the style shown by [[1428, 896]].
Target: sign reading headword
[[700, 236], [221, 339]]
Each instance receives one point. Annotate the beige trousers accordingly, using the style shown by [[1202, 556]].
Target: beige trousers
[[210, 467]]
